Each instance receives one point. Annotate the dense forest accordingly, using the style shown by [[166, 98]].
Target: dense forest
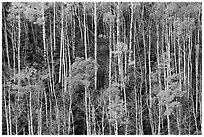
[[101, 68]]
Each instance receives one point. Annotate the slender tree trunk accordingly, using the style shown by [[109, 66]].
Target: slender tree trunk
[[46, 111], [95, 43], [39, 113], [110, 68], [144, 43], [162, 53], [118, 34], [45, 55], [123, 82], [45, 95], [13, 41], [80, 26], [51, 76], [10, 114], [174, 46], [61, 45], [200, 78], [184, 60], [159, 79], [189, 77], [69, 90], [43, 26], [6, 110], [131, 24], [176, 70], [150, 84], [51, 121], [197, 84], [13, 37], [145, 58], [85, 44], [103, 115], [141, 86], [6, 41], [31, 114], [116, 124], [54, 27], [135, 88], [26, 46], [89, 91], [167, 72], [197, 68], [19, 68], [86, 90], [73, 33], [94, 120], [179, 70]]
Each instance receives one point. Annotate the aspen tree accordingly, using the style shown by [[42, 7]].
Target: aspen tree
[[19, 66], [68, 74], [159, 78], [190, 79], [73, 31], [131, 24], [56, 107], [150, 83], [123, 80], [141, 85], [174, 39], [197, 65], [13, 41], [50, 90], [45, 55], [80, 25], [110, 65], [179, 60], [52, 78], [26, 46], [46, 106], [118, 34], [200, 78], [189, 70], [69, 90], [43, 26], [197, 77], [30, 111], [50, 73], [40, 113], [6, 110], [144, 43], [9, 115], [117, 57], [86, 57], [145, 52], [167, 71], [95, 43], [61, 46], [162, 53], [54, 27], [6, 40], [64, 69], [135, 88], [95, 56]]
